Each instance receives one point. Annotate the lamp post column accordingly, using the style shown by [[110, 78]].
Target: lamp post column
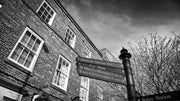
[[125, 56]]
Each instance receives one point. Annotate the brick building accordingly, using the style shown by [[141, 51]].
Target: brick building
[[39, 43]]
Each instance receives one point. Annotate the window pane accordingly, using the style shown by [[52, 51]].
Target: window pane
[[40, 13], [36, 45], [64, 70], [48, 17], [51, 12], [23, 56], [69, 38], [60, 60], [41, 10], [62, 80], [59, 67], [28, 60], [60, 63], [67, 64], [45, 13], [16, 52], [47, 20], [44, 17], [66, 38], [83, 94], [84, 82], [26, 37], [48, 9], [67, 31], [70, 33], [45, 5], [72, 36], [56, 76], [64, 62], [67, 41], [31, 41]]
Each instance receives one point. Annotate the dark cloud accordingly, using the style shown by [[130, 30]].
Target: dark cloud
[[113, 23], [149, 12], [155, 12]]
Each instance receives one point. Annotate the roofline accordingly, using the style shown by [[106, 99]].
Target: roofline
[[109, 53], [77, 26]]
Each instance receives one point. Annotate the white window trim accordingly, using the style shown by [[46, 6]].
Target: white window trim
[[52, 18], [35, 56], [66, 83], [74, 40], [34, 97]]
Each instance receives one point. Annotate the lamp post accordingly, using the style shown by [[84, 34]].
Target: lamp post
[[125, 56]]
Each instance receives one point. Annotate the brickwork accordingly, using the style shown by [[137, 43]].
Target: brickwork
[[15, 16]]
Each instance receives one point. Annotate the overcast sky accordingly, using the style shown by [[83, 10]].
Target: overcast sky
[[112, 24]]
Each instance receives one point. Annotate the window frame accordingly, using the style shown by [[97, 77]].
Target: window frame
[[69, 68], [52, 17], [82, 87], [36, 54], [74, 40]]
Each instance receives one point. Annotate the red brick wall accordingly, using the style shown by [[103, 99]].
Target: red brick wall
[[15, 15]]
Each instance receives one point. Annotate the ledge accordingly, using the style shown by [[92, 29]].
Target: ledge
[[15, 87], [18, 67], [59, 89]]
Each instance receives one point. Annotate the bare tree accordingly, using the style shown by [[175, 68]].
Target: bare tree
[[156, 63], [116, 91]]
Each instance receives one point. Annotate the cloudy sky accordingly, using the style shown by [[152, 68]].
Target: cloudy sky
[[112, 24]]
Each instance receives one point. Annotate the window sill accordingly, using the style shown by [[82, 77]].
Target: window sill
[[59, 89], [18, 67]]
